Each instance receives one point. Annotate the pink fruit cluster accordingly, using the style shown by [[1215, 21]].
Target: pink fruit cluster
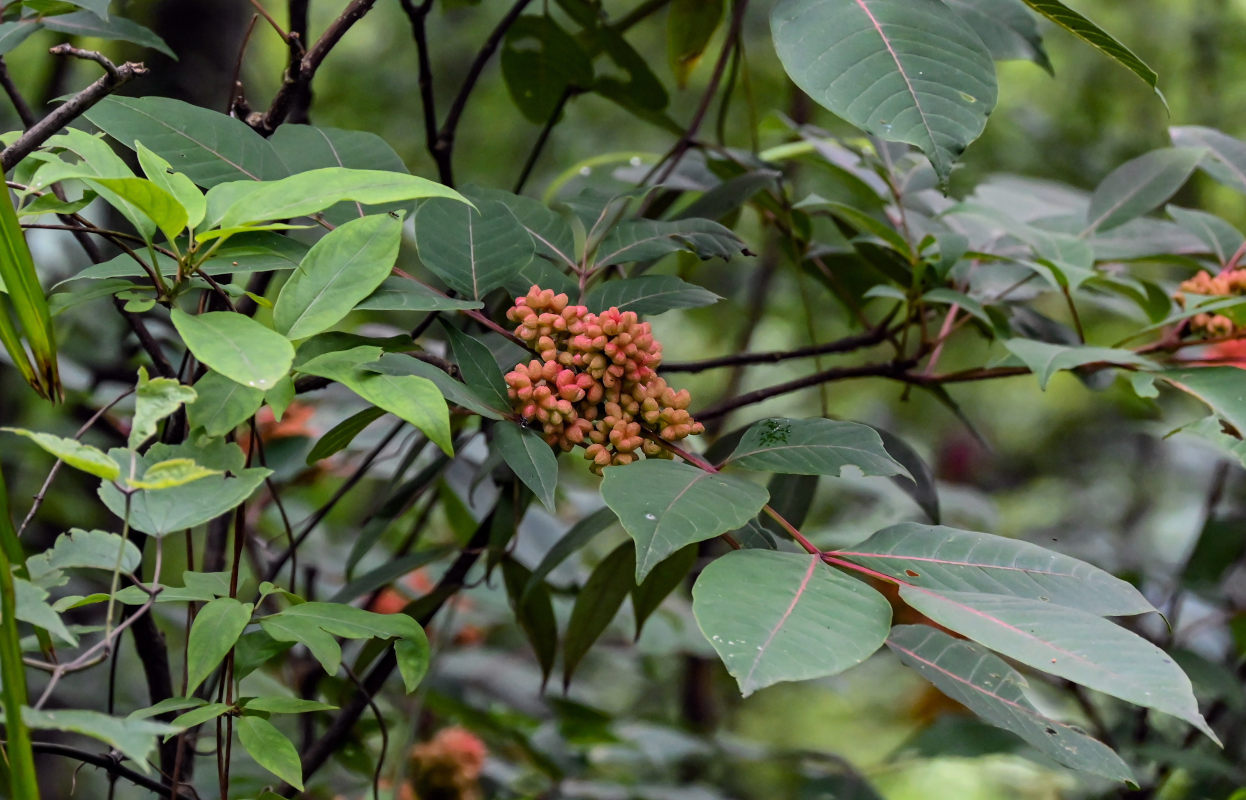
[[595, 382], [1226, 283]]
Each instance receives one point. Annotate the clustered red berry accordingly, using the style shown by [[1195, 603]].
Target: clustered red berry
[[1227, 283], [595, 383]]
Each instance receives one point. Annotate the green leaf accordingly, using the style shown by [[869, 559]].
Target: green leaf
[[530, 458], [161, 173], [222, 404], [534, 611], [315, 625], [1006, 27], [479, 368], [690, 24], [540, 62], [455, 392], [861, 60], [338, 272], [216, 628], [1221, 388], [664, 579], [1228, 162], [786, 617], [664, 506], [79, 549], [207, 146], [166, 511], [402, 294], [270, 749], [577, 537], [308, 192], [236, 346], [306, 147], [413, 657], [596, 604], [1141, 185], [813, 447], [168, 705], [323, 647], [74, 453], [1221, 238], [31, 606], [134, 738], [1072, 644], [342, 434], [647, 239], [155, 400], [14, 33], [551, 234], [988, 687], [20, 281], [284, 705], [653, 294], [171, 473], [413, 399], [474, 250], [149, 200], [1045, 359], [941, 558], [88, 24], [1096, 37], [197, 716]]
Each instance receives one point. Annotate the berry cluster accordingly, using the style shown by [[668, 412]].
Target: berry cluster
[[1227, 283], [595, 383]]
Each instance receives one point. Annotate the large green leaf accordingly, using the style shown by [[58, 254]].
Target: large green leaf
[[986, 685], [1096, 37], [1046, 359], [134, 738], [401, 294], [338, 272], [315, 625], [236, 346], [478, 368], [414, 399], [942, 558], [596, 604], [813, 447], [89, 25], [270, 749], [541, 61], [530, 458], [1223, 389], [164, 511], [308, 192], [146, 205], [74, 453], [154, 400], [786, 617], [664, 506], [216, 628], [207, 146], [31, 606], [534, 611], [1221, 238], [1082, 647], [903, 70], [160, 172], [652, 294], [14, 33], [79, 549], [1141, 185], [646, 239], [1007, 28], [474, 250], [221, 404]]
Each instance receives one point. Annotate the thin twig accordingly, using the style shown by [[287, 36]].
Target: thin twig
[[847, 344], [71, 109], [889, 369], [24, 112], [111, 765]]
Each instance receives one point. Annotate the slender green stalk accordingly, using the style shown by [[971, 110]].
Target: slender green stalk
[[23, 784]]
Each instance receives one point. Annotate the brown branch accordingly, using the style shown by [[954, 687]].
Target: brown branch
[[890, 369], [418, 16], [847, 344], [443, 146], [74, 107], [111, 765], [24, 112], [299, 74]]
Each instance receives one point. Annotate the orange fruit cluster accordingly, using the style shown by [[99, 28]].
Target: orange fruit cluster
[[1227, 283], [595, 382]]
